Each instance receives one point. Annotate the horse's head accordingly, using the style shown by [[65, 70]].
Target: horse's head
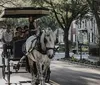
[[49, 43]]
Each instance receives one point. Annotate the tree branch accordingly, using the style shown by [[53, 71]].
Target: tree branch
[[2, 6], [9, 1], [56, 15]]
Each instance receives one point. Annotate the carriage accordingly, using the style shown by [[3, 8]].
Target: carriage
[[19, 12]]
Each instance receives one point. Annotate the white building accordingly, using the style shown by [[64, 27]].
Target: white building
[[60, 34], [84, 31], [87, 28]]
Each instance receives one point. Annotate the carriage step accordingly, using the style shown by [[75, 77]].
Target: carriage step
[[12, 84], [24, 82], [16, 72], [15, 59]]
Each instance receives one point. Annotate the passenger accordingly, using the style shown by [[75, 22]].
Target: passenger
[[19, 30], [17, 36], [26, 31], [26, 28], [7, 38]]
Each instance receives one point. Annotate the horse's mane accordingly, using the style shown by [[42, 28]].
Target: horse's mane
[[42, 41]]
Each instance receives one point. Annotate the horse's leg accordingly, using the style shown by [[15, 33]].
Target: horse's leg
[[17, 66], [47, 71], [33, 82], [39, 75], [31, 69], [42, 79], [36, 71], [47, 75]]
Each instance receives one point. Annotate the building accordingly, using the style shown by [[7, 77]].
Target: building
[[84, 32]]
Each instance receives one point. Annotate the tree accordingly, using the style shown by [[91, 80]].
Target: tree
[[48, 21], [65, 11], [94, 6]]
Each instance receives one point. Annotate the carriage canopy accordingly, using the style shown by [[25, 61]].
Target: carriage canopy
[[24, 12]]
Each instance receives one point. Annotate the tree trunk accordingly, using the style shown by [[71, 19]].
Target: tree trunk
[[66, 41]]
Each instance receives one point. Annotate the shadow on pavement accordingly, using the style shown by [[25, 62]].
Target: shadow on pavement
[[67, 76]]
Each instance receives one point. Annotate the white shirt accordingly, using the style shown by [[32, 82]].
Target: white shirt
[[7, 36]]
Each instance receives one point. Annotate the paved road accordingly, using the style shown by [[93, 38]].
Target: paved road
[[69, 74]]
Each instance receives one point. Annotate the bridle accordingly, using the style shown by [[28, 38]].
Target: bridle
[[49, 48], [37, 44]]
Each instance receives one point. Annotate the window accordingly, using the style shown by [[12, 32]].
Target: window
[[92, 37], [89, 37], [85, 24]]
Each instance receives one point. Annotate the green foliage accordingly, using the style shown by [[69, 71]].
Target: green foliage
[[65, 11], [61, 48], [74, 59], [16, 22], [48, 21]]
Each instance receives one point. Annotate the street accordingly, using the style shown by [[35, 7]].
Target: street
[[64, 73], [69, 74]]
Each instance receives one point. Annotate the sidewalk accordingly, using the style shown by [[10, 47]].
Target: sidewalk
[[87, 57], [93, 58]]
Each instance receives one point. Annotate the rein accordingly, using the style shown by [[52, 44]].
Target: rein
[[49, 48], [31, 49], [37, 45]]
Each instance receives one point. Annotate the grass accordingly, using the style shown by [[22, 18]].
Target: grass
[[85, 61]]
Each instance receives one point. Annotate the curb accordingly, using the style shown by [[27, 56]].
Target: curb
[[82, 64], [53, 83]]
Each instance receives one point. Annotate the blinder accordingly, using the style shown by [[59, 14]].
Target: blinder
[[56, 41], [38, 46], [45, 41]]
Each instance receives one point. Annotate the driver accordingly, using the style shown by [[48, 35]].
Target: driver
[[33, 29]]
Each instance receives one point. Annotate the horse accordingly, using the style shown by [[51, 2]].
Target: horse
[[40, 50]]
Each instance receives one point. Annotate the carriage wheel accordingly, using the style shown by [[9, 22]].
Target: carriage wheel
[[4, 66], [8, 67]]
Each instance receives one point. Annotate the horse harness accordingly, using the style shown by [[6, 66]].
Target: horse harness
[[38, 45]]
